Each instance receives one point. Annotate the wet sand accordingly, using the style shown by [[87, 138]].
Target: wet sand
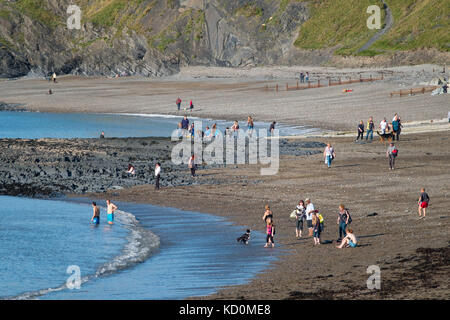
[[360, 179]]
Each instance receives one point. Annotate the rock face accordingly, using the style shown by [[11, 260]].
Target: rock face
[[149, 38]]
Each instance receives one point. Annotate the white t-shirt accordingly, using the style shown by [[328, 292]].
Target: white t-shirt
[[157, 171], [383, 125], [309, 210]]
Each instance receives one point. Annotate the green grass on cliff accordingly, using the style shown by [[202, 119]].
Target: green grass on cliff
[[342, 24]]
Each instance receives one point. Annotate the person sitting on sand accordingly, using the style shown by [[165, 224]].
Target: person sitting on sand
[[424, 199], [349, 240], [131, 170], [267, 213], [270, 232], [50, 92]]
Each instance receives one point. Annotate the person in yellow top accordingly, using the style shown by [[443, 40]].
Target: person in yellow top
[[370, 127]]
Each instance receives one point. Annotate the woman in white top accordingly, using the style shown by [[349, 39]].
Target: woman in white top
[[309, 212], [329, 155]]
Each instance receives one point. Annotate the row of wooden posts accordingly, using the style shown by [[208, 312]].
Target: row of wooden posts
[[413, 91], [310, 85]]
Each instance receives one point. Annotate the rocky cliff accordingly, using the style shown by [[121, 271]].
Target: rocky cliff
[[149, 38], [157, 37]]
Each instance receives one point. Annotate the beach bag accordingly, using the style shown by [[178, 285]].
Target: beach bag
[[293, 214]]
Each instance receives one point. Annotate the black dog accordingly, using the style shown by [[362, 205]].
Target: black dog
[[386, 136], [245, 237]]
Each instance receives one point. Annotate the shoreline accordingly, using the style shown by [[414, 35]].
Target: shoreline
[[233, 94], [384, 241]]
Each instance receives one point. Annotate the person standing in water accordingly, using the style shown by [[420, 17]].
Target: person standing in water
[[111, 208], [272, 128], [270, 231], [96, 216]]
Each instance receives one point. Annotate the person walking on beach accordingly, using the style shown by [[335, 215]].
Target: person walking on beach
[[270, 232], [423, 202], [178, 102], [384, 126], [157, 175], [267, 213], [309, 211], [302, 77], [370, 127], [300, 216], [192, 165], [191, 106], [96, 216], [391, 154], [316, 227], [272, 128], [360, 131], [329, 155], [396, 127], [349, 240], [343, 220], [307, 77], [111, 209], [250, 125], [185, 123]]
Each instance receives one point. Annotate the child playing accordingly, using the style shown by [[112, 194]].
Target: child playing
[[424, 199], [270, 230]]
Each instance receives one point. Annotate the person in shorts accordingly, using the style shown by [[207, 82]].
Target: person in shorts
[[424, 199], [111, 208], [349, 240], [96, 216]]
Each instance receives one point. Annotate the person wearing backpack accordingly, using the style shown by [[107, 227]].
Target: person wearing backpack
[[343, 220], [391, 154]]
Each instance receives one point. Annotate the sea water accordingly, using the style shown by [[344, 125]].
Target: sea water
[[35, 125], [154, 253]]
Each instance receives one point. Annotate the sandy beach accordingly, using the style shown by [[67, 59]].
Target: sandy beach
[[233, 94], [393, 239]]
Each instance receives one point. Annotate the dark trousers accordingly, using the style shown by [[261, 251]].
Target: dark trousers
[[391, 161], [360, 134], [193, 172], [178, 105], [157, 182]]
